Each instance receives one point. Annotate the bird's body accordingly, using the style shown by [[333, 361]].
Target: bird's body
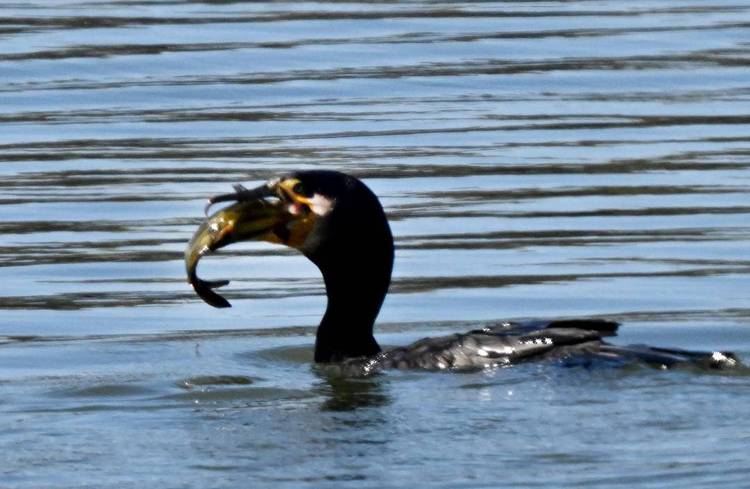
[[575, 342], [339, 224]]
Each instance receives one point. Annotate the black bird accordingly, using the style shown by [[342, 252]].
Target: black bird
[[337, 222]]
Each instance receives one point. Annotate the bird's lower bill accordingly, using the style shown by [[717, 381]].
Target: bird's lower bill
[[273, 220]]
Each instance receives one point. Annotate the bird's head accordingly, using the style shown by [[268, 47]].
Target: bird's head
[[331, 217]]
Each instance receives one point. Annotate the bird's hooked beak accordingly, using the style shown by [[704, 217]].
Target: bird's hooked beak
[[273, 212]]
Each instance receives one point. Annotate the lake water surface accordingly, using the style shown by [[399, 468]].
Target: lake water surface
[[536, 159]]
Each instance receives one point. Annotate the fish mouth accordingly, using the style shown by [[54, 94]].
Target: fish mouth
[[256, 214]]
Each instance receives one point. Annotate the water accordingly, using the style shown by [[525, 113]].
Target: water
[[537, 159]]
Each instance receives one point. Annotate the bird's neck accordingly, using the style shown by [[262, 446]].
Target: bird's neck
[[354, 300], [353, 248]]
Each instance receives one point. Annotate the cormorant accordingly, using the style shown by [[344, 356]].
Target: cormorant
[[337, 222]]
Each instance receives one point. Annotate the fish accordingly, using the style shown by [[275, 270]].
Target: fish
[[245, 219]]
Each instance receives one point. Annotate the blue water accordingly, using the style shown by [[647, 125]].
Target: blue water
[[536, 159]]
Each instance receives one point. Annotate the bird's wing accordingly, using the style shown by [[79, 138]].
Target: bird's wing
[[499, 344]]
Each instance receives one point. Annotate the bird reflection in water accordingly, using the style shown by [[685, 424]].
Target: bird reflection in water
[[346, 393]]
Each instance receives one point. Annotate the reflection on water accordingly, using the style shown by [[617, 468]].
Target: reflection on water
[[534, 158], [346, 393]]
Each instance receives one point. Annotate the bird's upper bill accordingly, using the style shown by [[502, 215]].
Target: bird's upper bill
[[281, 211]]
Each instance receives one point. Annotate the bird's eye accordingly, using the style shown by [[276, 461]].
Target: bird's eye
[[299, 189]]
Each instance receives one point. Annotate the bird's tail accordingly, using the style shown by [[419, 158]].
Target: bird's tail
[[674, 357]]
